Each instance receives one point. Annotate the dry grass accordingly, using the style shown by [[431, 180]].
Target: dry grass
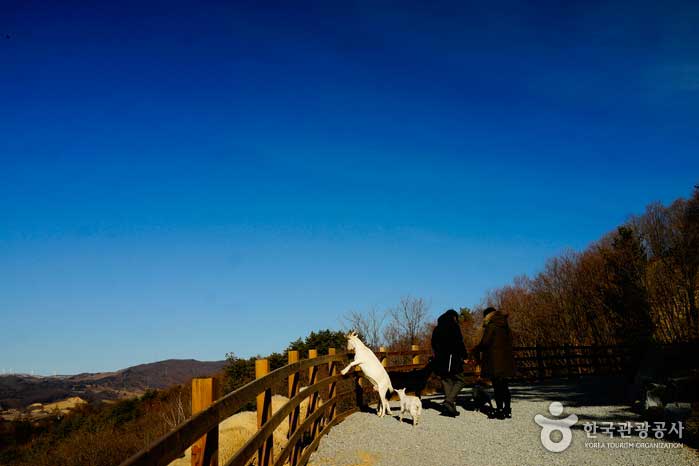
[[65, 405]]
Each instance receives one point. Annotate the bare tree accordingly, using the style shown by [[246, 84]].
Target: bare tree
[[369, 325], [175, 414], [408, 320], [637, 281]]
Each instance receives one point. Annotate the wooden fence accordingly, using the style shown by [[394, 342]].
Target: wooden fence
[[201, 430], [531, 362], [408, 368]]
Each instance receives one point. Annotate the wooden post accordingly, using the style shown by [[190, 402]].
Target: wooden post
[[569, 357], [294, 380], [332, 370], [312, 354], [332, 389], [594, 351], [264, 412], [205, 450], [297, 451], [293, 357], [384, 356], [416, 357], [313, 402], [539, 362]]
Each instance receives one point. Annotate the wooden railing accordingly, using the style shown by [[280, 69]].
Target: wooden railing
[[531, 362], [201, 430], [541, 362], [406, 367]]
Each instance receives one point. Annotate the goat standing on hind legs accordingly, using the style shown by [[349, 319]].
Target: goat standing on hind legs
[[372, 369]]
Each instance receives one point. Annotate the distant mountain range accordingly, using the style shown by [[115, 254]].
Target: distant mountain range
[[18, 391]]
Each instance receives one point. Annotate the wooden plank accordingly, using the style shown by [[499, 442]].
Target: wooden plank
[[555, 357], [293, 356], [205, 449], [332, 389], [312, 354], [407, 352], [516, 349], [416, 356], [264, 412], [405, 367], [313, 402], [294, 416]]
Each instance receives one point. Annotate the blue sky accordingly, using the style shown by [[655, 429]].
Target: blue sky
[[185, 179]]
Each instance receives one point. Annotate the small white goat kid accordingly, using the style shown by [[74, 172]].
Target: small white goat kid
[[372, 369], [410, 404]]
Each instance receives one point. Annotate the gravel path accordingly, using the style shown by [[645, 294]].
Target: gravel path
[[364, 439]]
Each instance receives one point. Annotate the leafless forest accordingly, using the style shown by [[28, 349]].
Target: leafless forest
[[636, 284]]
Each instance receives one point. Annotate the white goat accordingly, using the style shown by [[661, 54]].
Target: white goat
[[372, 369], [410, 404]]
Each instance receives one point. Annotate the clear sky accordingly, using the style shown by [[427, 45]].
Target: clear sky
[[185, 179]]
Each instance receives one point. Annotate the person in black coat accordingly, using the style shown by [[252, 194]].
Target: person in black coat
[[496, 357], [449, 354]]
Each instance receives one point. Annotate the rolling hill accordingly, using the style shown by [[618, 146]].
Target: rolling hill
[[20, 390]]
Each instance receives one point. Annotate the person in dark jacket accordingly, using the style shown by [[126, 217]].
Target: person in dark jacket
[[449, 354], [496, 358]]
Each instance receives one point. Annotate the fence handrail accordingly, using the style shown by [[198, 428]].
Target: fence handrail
[[314, 444], [515, 349], [403, 352], [171, 445], [243, 455], [296, 436]]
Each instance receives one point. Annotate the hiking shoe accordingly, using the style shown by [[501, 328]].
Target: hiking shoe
[[448, 409], [488, 411]]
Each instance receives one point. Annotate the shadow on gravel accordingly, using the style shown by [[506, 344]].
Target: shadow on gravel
[[584, 391], [368, 408], [587, 391], [612, 415], [405, 420], [429, 403]]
